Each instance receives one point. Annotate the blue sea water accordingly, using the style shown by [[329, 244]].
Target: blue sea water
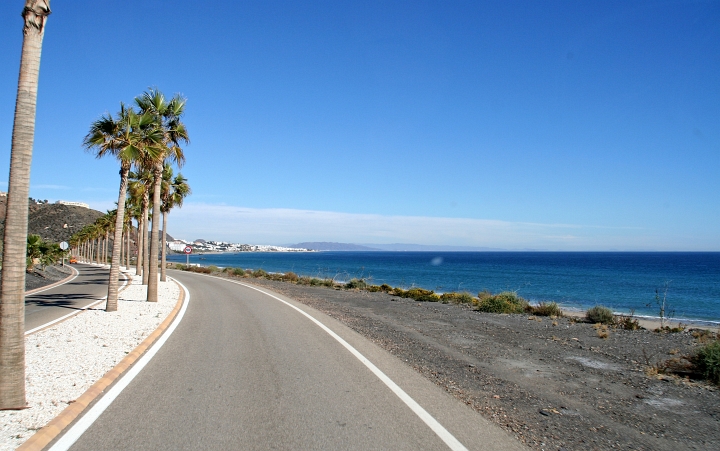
[[623, 281]]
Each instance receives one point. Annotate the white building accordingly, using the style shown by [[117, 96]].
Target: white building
[[177, 245], [76, 204]]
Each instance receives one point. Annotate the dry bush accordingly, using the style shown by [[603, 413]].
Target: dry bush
[[546, 309]]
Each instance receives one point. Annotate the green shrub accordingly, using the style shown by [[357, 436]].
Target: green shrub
[[600, 314], [227, 270], [315, 282], [484, 294], [421, 295], [373, 288], [291, 277], [259, 273], [386, 288], [456, 298], [707, 361], [505, 302], [356, 284], [213, 268], [180, 266], [238, 272], [398, 292], [546, 309]]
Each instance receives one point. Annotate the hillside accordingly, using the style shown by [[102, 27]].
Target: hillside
[[53, 222]]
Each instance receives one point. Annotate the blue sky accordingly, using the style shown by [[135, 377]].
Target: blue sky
[[545, 125]]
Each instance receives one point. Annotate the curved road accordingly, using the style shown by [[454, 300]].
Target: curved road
[[46, 305], [244, 370]]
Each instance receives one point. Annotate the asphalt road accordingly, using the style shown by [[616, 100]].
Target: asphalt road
[[47, 305], [244, 371]]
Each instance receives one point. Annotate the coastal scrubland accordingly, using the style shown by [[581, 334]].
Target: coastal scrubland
[[552, 380]]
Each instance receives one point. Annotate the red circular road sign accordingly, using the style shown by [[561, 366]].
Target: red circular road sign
[[187, 250]]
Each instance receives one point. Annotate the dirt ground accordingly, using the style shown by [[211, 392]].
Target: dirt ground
[[553, 384], [39, 278]]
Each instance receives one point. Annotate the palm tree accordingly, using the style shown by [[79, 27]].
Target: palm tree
[[167, 115], [175, 190], [132, 211], [126, 138], [140, 185], [12, 293]]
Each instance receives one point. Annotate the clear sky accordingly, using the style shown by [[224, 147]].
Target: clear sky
[[553, 125]]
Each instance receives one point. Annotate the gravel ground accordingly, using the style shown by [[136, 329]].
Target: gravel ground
[[62, 362], [553, 386]]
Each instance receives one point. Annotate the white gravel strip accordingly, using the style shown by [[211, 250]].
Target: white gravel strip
[[62, 362]]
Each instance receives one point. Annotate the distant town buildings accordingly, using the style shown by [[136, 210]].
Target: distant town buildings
[[221, 246], [76, 204]]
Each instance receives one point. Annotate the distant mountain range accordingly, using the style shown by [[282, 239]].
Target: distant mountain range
[[399, 247]]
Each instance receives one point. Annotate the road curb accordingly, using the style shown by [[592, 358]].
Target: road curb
[[52, 430], [54, 284]]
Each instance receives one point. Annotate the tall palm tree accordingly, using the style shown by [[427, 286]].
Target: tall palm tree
[[168, 116], [140, 185], [128, 229], [132, 211], [127, 138], [175, 190], [12, 293]]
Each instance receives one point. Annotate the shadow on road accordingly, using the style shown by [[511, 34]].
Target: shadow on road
[[68, 301]]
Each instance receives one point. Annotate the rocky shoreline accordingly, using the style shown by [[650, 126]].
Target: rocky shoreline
[[554, 384]]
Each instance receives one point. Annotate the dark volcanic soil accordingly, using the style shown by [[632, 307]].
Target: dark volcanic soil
[[553, 386], [39, 278]]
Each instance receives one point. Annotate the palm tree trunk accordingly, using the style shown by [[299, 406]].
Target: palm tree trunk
[[112, 297], [127, 249], [12, 293], [164, 247], [106, 247], [138, 262], [146, 246], [152, 292]]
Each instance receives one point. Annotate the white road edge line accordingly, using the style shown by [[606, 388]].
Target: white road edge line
[[78, 311], [449, 439], [82, 425]]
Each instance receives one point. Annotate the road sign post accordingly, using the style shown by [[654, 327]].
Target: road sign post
[[64, 247], [188, 251]]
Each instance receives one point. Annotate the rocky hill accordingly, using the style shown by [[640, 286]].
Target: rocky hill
[[53, 222]]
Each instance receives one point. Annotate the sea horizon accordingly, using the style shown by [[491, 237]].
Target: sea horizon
[[622, 281]]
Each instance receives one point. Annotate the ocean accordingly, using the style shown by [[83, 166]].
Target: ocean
[[622, 281]]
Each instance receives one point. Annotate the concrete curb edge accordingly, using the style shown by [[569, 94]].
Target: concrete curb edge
[[55, 427]]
